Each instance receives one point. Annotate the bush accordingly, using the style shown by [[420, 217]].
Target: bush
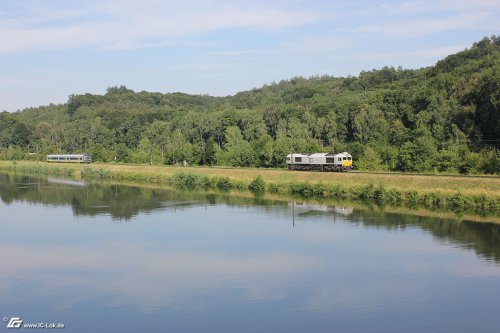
[[338, 191], [257, 185], [380, 195], [460, 201], [239, 185], [208, 182], [224, 183], [432, 200], [412, 197], [307, 190], [274, 188], [185, 179], [364, 192]]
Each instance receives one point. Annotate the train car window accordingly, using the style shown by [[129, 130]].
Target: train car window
[[345, 158], [349, 158], [298, 159]]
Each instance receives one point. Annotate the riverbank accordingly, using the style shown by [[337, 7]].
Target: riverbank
[[478, 194]]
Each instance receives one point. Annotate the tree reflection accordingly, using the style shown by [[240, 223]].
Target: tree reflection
[[123, 202]]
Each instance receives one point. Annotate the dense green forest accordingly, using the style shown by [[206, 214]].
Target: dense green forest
[[443, 118]]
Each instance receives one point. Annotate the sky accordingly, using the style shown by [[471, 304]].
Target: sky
[[50, 49]]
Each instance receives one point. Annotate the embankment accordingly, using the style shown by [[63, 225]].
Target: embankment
[[480, 195]]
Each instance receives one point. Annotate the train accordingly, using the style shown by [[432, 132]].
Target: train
[[69, 158], [320, 161]]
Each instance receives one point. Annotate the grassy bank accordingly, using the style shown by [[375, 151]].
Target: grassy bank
[[478, 194]]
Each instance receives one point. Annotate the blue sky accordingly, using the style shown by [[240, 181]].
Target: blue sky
[[50, 49]]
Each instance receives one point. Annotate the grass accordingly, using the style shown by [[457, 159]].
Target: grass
[[478, 194]]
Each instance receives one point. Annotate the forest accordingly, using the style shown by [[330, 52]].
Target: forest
[[439, 119]]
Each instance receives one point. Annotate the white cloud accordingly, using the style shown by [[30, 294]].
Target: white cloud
[[437, 6], [205, 44], [137, 23], [421, 26], [433, 53], [146, 278]]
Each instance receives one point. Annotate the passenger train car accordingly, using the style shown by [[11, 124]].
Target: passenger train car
[[320, 161], [69, 158]]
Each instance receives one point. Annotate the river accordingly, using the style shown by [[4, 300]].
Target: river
[[119, 258]]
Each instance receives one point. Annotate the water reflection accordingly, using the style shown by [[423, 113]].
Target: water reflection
[[119, 201], [125, 202], [148, 278], [484, 238], [204, 262]]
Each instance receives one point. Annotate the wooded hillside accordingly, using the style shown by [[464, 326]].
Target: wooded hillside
[[443, 118]]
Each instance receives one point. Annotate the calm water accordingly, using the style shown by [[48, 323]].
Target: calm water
[[128, 259]]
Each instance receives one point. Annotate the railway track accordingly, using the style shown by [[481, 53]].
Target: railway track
[[422, 174]]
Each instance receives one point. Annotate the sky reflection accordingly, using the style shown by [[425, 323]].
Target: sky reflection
[[214, 266]]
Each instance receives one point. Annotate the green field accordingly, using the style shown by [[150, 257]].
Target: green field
[[480, 193]]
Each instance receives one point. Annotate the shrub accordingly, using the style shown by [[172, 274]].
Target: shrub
[[257, 185], [380, 194], [412, 197], [460, 201], [239, 185], [338, 191], [208, 182], [224, 183], [307, 189], [274, 188], [185, 179], [363, 192]]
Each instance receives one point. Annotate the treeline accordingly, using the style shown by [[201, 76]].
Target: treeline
[[443, 118]]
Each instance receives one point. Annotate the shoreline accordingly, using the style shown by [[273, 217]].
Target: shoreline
[[480, 195]]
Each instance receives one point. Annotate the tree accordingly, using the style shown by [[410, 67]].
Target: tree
[[158, 135], [264, 150], [419, 155], [143, 153], [282, 146], [368, 125], [237, 151], [300, 137], [21, 135], [444, 118], [399, 134], [178, 149], [42, 135], [487, 100], [122, 154], [370, 160], [490, 161]]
